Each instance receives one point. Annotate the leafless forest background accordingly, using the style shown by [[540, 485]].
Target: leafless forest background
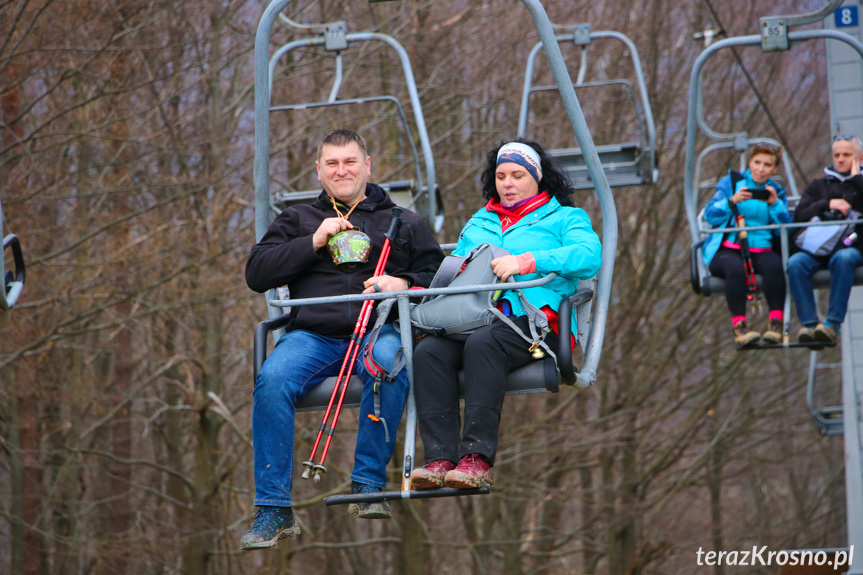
[[126, 153]]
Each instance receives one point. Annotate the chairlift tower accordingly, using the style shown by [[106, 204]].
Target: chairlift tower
[[845, 84]]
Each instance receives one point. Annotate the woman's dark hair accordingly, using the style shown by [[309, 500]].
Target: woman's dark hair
[[554, 181]]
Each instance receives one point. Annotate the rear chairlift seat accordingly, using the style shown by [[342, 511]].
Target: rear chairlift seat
[[624, 165]]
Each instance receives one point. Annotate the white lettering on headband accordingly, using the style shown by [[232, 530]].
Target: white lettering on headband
[[523, 155]]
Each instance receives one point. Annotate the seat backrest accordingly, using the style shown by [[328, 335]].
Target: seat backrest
[[535, 377], [622, 164]]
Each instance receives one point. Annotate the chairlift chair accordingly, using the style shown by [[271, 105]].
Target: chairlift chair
[[624, 164], [827, 419], [702, 282], [13, 280], [535, 378], [420, 194]]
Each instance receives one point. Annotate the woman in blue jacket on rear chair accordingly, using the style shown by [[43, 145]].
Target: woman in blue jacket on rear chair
[[761, 202], [530, 214]]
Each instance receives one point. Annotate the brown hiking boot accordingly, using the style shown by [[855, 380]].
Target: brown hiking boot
[[431, 474], [805, 334], [773, 333], [826, 332], [472, 471], [743, 335]]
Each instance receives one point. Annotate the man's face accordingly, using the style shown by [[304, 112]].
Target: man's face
[[844, 154], [344, 171]]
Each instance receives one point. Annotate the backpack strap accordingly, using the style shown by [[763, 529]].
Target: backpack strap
[[538, 323], [377, 371], [449, 268]]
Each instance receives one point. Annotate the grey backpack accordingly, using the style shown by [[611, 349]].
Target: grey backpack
[[458, 315], [824, 241]]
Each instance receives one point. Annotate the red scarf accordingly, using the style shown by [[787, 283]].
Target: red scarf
[[508, 216]]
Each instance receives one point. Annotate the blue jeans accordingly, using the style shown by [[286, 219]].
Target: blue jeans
[[300, 361], [801, 266]]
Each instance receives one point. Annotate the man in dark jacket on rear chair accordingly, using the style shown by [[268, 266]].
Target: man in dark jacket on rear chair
[[294, 252], [830, 197]]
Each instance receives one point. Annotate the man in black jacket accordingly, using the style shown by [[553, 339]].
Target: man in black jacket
[[830, 197], [294, 252]]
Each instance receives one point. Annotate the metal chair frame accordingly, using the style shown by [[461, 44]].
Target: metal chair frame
[[640, 165], [263, 214]]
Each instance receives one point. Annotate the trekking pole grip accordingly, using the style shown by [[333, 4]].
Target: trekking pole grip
[[395, 225]]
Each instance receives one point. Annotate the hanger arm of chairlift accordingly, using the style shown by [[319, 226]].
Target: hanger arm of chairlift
[[810, 17]]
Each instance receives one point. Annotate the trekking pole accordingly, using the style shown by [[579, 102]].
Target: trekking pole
[[748, 267], [745, 255], [364, 311], [346, 370]]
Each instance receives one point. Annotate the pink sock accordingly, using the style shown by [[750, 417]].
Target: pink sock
[[735, 319], [777, 314]]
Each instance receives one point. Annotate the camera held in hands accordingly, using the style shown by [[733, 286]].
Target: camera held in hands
[[832, 216], [760, 194]]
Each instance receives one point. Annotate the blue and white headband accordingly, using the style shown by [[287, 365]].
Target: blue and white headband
[[523, 155]]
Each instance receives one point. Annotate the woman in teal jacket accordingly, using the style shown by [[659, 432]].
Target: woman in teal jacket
[[761, 202], [530, 214]]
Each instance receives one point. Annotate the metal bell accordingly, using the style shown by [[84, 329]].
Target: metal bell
[[536, 351]]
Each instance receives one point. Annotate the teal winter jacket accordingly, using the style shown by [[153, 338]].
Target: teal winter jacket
[[755, 213], [561, 240]]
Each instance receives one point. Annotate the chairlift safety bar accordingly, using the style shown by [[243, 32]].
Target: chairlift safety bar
[[414, 293], [577, 35], [263, 81], [392, 99]]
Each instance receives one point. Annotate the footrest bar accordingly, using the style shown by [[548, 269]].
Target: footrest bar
[[814, 345], [396, 495]]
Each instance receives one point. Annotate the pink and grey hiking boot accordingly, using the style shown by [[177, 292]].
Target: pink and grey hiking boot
[[472, 471], [431, 474]]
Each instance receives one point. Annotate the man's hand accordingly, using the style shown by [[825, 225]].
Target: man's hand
[[328, 228], [773, 197], [841, 205], [505, 266], [741, 196], [855, 166], [385, 283]]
